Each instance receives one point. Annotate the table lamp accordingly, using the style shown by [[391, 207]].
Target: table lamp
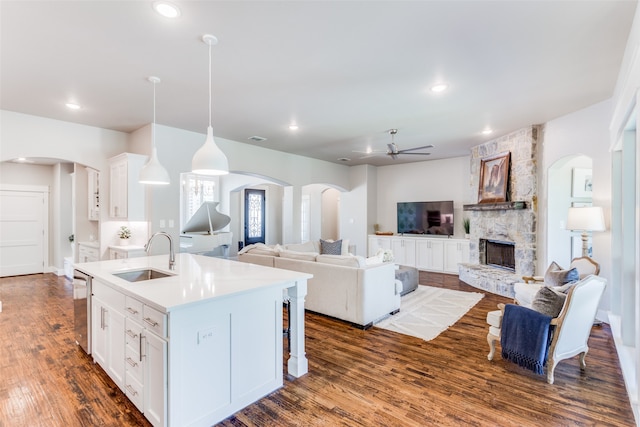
[[585, 219]]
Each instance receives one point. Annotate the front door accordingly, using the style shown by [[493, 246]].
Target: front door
[[254, 208]]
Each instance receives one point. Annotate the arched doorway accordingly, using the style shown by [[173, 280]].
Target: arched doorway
[[569, 185]]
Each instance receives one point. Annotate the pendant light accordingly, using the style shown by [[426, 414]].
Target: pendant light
[[153, 172], [209, 159]]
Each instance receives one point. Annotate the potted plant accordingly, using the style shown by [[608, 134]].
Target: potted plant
[[124, 234], [466, 223]]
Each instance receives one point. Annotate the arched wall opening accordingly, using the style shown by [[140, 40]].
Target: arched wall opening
[[569, 184], [283, 204]]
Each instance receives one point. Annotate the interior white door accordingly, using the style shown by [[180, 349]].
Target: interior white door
[[22, 232]]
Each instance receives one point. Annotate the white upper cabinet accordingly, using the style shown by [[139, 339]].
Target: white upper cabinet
[[126, 194], [93, 194]]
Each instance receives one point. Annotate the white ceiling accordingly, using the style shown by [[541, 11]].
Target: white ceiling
[[344, 71]]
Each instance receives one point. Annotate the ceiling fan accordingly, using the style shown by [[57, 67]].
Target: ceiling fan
[[393, 148]]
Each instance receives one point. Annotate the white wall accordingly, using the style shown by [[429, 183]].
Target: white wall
[[584, 132], [432, 180]]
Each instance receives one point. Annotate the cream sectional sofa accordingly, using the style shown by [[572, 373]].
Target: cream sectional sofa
[[343, 286]]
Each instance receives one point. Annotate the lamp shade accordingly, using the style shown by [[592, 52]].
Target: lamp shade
[[209, 159], [586, 219], [153, 172]]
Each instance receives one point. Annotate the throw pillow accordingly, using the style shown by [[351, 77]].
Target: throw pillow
[[376, 259], [548, 301], [330, 248], [561, 277]]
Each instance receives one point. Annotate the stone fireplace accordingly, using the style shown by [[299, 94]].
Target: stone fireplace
[[507, 229]]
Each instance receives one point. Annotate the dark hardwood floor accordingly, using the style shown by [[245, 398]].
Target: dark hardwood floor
[[368, 378]]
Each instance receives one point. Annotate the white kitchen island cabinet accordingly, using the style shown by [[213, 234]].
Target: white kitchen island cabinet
[[206, 341]]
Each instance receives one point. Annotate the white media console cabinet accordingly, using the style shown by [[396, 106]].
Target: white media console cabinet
[[439, 254]]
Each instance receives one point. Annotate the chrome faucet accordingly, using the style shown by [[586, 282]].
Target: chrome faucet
[[172, 254]]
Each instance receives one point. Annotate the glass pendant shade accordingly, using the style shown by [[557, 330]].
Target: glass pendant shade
[[209, 159]]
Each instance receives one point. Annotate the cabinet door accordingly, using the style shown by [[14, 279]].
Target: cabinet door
[[397, 247], [98, 332], [455, 253], [409, 246], [155, 378], [429, 255], [437, 254], [118, 190], [451, 256], [93, 194], [116, 352], [373, 246]]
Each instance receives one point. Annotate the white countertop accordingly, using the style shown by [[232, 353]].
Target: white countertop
[[196, 278]]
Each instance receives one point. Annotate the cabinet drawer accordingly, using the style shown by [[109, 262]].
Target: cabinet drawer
[[132, 333], [88, 254], [133, 364], [154, 321], [110, 296], [133, 309], [135, 392]]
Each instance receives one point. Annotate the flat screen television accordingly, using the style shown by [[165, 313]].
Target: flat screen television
[[426, 218]]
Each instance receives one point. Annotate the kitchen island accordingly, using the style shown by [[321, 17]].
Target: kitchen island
[[201, 342]]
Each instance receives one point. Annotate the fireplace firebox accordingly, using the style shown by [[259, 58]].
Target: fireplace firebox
[[498, 254]]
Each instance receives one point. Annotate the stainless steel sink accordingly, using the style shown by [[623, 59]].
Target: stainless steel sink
[[142, 275]]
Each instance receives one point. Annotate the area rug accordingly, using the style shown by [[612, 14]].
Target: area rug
[[427, 312]]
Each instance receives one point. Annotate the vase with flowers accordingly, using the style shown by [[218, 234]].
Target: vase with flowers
[[124, 233]]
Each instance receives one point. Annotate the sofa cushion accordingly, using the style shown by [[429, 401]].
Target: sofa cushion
[[548, 301], [304, 247], [259, 249], [303, 256], [331, 247], [343, 260]]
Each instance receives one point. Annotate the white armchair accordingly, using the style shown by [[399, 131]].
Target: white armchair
[[526, 291], [572, 326]]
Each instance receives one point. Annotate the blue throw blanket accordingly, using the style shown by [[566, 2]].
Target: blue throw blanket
[[525, 337]]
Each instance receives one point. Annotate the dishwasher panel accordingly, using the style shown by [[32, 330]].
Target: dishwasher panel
[[82, 309]]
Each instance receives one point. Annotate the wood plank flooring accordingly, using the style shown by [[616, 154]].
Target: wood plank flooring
[[365, 378]]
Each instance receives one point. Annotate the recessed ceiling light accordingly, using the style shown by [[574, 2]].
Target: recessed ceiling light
[[72, 106], [439, 87], [487, 131], [166, 9], [293, 127]]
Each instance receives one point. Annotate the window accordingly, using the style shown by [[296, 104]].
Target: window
[[196, 189]]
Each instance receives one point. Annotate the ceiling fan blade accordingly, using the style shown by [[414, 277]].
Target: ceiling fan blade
[[418, 154], [416, 148]]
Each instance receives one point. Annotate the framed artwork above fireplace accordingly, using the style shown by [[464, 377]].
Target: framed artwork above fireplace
[[494, 177]]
